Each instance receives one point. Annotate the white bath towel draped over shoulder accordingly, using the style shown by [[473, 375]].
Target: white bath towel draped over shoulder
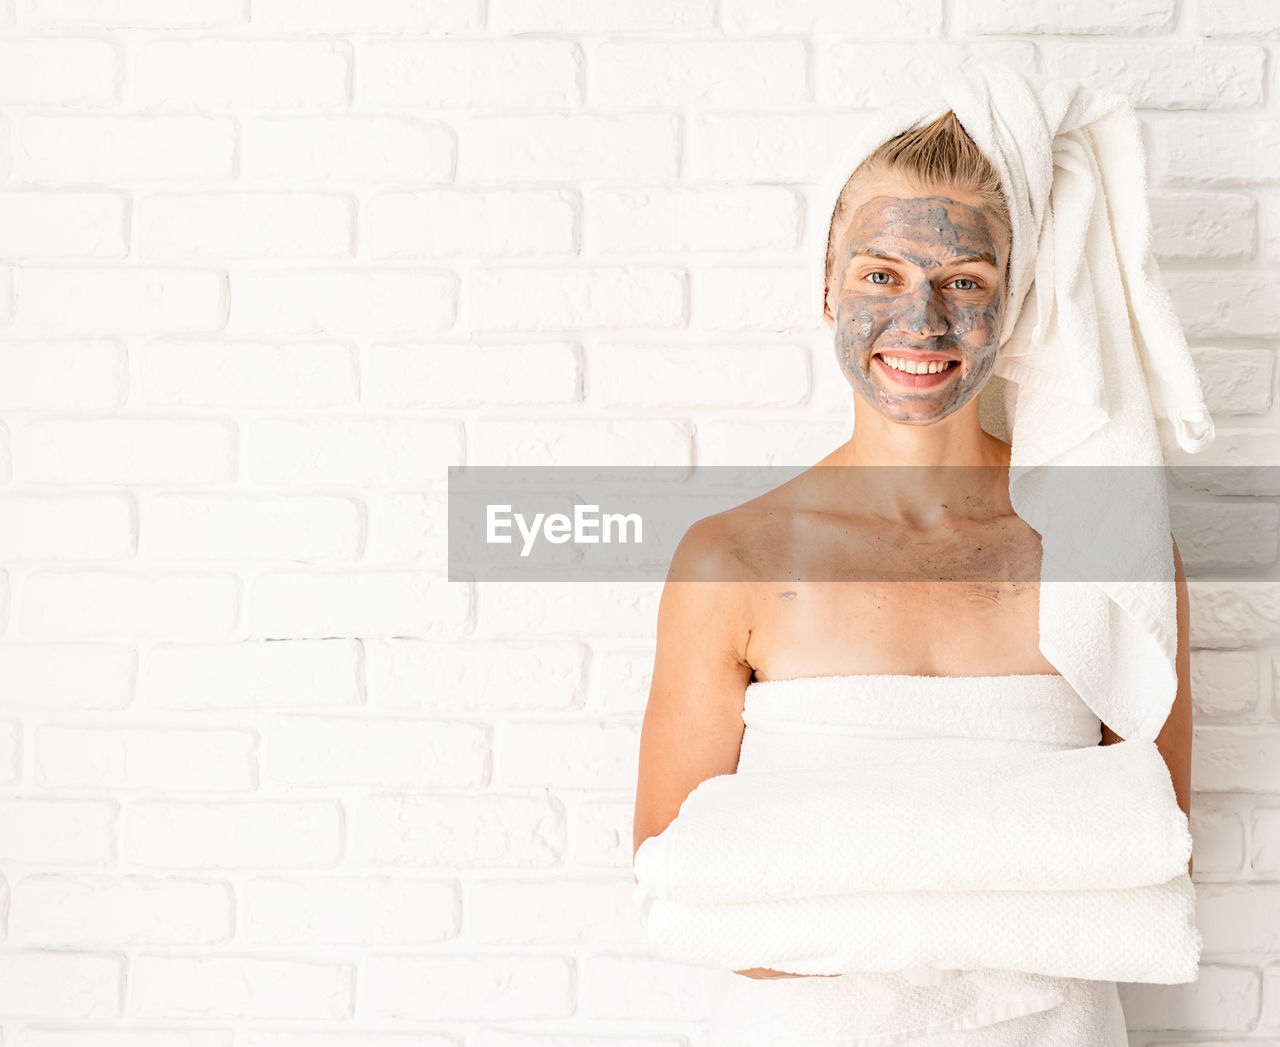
[[1092, 356]]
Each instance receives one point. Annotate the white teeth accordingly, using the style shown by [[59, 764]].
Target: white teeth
[[911, 367]]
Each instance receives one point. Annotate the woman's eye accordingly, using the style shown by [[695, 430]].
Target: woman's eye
[[874, 275]]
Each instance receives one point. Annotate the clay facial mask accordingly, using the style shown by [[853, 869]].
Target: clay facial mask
[[921, 275]]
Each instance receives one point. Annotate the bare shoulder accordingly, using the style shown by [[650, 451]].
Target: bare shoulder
[[728, 546], [704, 552], [756, 539]]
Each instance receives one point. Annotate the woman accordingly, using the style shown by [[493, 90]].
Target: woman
[[916, 292]]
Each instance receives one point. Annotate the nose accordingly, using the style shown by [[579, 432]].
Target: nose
[[924, 314]]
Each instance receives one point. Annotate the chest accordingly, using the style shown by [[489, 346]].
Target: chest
[[965, 608]]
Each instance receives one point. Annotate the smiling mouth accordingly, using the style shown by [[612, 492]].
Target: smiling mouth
[[908, 366]]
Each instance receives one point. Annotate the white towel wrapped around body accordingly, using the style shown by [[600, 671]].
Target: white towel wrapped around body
[[894, 823]]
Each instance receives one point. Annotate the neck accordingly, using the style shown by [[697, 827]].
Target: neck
[[926, 474]]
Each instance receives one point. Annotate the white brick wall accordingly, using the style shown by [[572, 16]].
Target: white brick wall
[[268, 267]]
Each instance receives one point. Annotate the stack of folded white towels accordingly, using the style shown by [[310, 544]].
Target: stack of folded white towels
[[1070, 863]]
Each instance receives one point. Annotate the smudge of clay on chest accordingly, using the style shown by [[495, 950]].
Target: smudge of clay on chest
[[786, 596]]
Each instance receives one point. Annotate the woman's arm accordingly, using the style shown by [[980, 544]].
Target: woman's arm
[[693, 720], [1174, 739], [693, 725]]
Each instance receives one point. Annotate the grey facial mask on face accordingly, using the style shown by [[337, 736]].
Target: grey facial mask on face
[[914, 308]]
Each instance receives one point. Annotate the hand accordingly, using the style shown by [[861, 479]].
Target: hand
[[765, 972]]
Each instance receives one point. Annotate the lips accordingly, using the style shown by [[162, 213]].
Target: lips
[[923, 380], [918, 358]]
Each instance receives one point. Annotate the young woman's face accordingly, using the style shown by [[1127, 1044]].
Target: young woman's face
[[917, 274]]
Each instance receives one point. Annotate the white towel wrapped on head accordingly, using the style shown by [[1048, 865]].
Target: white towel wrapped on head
[[1091, 356]]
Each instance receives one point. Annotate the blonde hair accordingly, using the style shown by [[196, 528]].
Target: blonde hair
[[940, 153]]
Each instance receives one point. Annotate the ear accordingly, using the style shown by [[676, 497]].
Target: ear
[[827, 318]]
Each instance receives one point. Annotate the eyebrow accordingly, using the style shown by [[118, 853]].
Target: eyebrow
[[885, 256]]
